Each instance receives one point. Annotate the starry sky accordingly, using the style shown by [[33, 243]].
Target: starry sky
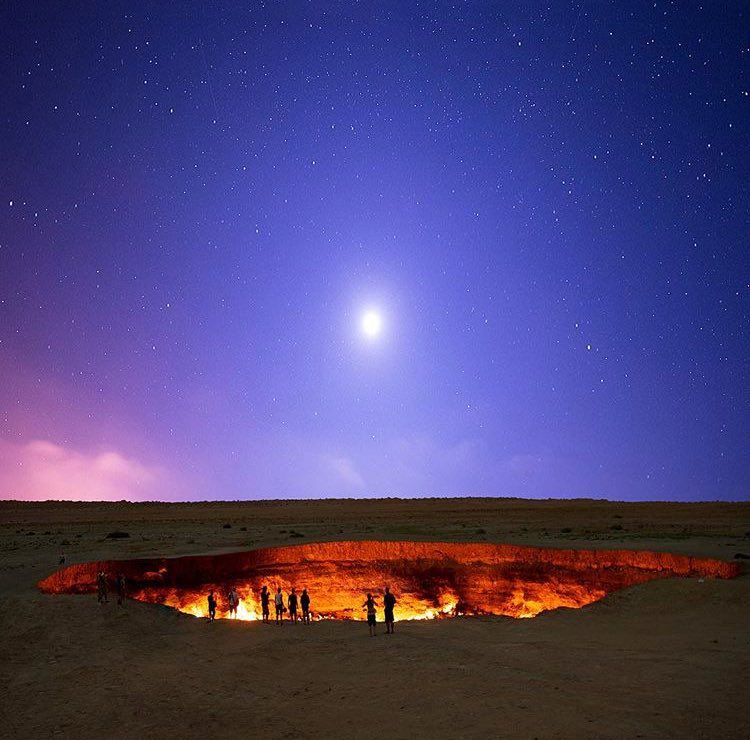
[[546, 204]]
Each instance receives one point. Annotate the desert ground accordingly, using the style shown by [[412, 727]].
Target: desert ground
[[668, 658]]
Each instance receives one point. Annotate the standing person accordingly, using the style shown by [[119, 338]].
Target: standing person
[[120, 582], [370, 605], [101, 587], [265, 597], [278, 601], [293, 607], [305, 603], [211, 606], [234, 601], [62, 559], [389, 601]]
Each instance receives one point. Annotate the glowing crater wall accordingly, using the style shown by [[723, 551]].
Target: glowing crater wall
[[430, 579]]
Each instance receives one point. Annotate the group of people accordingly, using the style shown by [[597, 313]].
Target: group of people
[[389, 602], [233, 600], [102, 588], [303, 602], [297, 606], [291, 605]]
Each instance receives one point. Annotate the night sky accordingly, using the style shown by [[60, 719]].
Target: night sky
[[545, 205]]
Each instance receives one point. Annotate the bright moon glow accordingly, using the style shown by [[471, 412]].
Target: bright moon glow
[[372, 324]]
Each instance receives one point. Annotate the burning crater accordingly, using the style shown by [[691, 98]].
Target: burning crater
[[430, 579]]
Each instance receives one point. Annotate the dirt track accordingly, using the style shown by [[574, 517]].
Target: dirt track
[[664, 659]]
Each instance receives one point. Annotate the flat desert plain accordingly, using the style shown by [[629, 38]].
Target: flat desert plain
[[668, 658]]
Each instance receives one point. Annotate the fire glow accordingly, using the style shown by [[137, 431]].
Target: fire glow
[[431, 580]]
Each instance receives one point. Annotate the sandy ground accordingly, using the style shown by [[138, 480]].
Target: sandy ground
[[664, 659]]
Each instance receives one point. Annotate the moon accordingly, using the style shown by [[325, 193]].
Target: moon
[[371, 324]]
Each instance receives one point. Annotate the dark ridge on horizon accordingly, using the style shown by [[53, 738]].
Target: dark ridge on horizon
[[374, 499]]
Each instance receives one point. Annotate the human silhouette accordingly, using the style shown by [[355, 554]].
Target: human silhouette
[[389, 601], [292, 601], [265, 597], [304, 601], [370, 605], [211, 606], [234, 600], [278, 601], [120, 583], [101, 587]]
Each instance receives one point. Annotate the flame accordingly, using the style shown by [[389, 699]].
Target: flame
[[429, 580], [522, 602]]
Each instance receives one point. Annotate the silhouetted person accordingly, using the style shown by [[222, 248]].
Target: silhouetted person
[[292, 601], [62, 559], [101, 587], [370, 605], [211, 606], [120, 583], [234, 600], [304, 601], [265, 597], [278, 601], [389, 601]]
